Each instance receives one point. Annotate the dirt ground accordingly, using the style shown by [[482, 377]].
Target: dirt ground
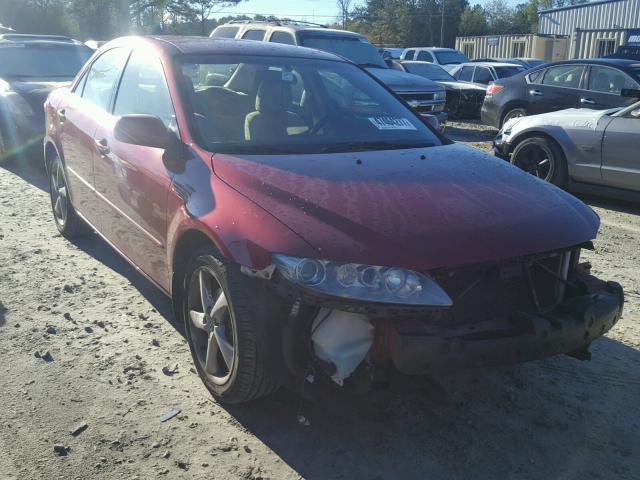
[[84, 338]]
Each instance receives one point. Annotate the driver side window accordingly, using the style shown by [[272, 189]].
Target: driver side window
[[102, 77], [144, 90]]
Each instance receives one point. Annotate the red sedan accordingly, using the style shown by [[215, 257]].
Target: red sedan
[[308, 225]]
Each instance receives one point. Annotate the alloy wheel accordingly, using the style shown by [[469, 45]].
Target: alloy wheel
[[536, 160], [59, 193], [211, 326]]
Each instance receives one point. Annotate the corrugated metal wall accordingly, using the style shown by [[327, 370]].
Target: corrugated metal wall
[[601, 15], [584, 43], [496, 46]]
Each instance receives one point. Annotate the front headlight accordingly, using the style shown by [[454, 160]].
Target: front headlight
[[440, 95], [368, 283]]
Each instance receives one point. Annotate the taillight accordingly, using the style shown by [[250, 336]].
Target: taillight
[[492, 88]]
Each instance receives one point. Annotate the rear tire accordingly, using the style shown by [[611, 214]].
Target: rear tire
[[67, 220], [541, 157], [513, 113], [227, 325]]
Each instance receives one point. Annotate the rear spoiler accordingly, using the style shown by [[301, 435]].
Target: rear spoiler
[[630, 92]]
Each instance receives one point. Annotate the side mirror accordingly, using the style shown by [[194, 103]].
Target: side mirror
[[143, 130], [150, 131]]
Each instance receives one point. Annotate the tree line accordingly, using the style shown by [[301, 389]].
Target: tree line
[[384, 22]]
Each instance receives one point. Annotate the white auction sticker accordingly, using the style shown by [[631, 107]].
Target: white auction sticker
[[391, 123]]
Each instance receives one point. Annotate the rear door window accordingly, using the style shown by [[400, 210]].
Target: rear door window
[[425, 57], [282, 37], [465, 74], [225, 32], [103, 76], [254, 35], [482, 75], [567, 76], [609, 80]]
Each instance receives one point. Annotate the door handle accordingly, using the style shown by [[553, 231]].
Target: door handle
[[535, 93], [102, 146], [587, 101], [61, 115]]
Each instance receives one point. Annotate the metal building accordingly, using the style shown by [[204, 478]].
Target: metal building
[[587, 30], [550, 47], [595, 29]]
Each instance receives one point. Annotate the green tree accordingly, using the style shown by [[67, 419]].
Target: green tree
[[473, 21]]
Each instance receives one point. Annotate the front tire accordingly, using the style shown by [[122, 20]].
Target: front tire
[[67, 220], [540, 156], [225, 326]]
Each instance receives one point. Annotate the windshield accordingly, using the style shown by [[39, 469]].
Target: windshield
[[42, 61], [356, 49], [635, 73], [430, 71], [450, 57], [276, 105], [504, 72]]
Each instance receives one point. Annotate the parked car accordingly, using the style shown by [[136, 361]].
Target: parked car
[[447, 58], [463, 99], [425, 96], [393, 53], [483, 73], [31, 66], [525, 62], [591, 151], [630, 52], [593, 83], [309, 225]]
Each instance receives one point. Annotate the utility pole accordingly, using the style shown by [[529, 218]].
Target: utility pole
[[442, 26]]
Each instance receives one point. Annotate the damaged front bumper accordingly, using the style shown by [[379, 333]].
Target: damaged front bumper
[[520, 337]]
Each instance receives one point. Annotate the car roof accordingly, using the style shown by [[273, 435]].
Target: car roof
[[488, 64], [620, 62], [434, 49], [291, 25], [420, 62], [225, 46], [23, 39]]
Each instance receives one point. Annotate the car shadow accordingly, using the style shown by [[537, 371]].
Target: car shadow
[[620, 206], [30, 171], [100, 250], [555, 418], [3, 310]]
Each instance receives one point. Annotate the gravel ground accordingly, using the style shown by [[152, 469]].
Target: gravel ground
[[84, 339]]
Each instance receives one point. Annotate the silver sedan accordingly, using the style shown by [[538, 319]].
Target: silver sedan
[[582, 150]]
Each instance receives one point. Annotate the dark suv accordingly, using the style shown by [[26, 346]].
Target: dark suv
[[594, 83], [425, 96], [31, 66]]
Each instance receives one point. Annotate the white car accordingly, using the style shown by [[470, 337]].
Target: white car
[[589, 151], [447, 58], [483, 73]]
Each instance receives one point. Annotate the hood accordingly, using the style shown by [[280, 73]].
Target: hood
[[36, 92], [572, 117], [401, 82], [457, 206], [453, 85]]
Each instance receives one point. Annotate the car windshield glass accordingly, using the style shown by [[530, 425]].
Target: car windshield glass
[[356, 49], [450, 57], [504, 72], [42, 61], [430, 71], [276, 105], [635, 73]]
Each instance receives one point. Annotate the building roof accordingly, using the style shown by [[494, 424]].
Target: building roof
[[578, 5]]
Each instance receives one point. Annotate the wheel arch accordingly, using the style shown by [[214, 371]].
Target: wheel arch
[[517, 103], [536, 133], [50, 150]]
